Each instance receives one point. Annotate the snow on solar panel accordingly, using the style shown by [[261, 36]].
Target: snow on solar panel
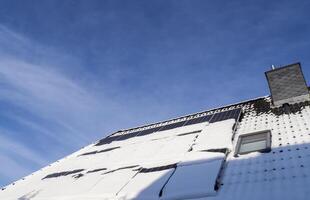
[[111, 183], [146, 185], [200, 180], [217, 135]]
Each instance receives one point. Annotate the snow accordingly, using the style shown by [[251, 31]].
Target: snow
[[200, 180], [216, 135], [192, 158], [146, 186], [110, 184]]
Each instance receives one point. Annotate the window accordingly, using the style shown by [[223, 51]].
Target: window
[[257, 141]]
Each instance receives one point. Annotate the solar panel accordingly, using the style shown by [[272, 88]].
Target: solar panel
[[106, 140], [189, 133], [128, 135], [229, 114], [148, 131], [155, 169], [198, 120], [109, 149], [101, 151], [89, 153], [172, 126], [234, 114], [64, 173], [121, 168], [96, 170], [206, 118]]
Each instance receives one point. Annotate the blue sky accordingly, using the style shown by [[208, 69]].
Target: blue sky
[[72, 72]]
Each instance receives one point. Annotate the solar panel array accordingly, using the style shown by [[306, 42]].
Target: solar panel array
[[230, 114], [215, 117]]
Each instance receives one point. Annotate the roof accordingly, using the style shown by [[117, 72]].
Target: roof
[[190, 157]]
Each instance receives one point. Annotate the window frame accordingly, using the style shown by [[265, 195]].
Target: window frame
[[265, 150]]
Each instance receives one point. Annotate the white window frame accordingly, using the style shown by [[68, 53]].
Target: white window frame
[[267, 139]]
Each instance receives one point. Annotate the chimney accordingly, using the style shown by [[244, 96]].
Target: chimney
[[287, 85]]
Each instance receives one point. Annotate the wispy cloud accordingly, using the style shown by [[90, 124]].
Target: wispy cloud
[[48, 112], [14, 148], [43, 91], [45, 104], [11, 152]]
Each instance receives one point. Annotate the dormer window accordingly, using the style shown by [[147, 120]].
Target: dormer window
[[257, 141]]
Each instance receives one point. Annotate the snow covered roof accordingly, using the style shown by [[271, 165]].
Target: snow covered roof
[[191, 157]]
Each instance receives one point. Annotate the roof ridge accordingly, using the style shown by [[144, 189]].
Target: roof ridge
[[185, 117]]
